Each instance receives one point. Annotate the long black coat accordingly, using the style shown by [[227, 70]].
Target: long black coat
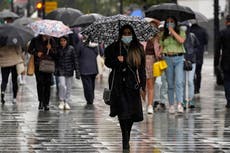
[[66, 61], [126, 100]]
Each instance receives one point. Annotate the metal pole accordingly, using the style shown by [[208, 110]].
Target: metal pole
[[121, 6], [174, 1], [43, 9], [12, 5], [216, 24], [28, 8]]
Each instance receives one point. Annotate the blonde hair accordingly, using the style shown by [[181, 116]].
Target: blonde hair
[[134, 57]]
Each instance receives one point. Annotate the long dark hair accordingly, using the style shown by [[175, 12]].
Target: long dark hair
[[135, 53], [166, 30]]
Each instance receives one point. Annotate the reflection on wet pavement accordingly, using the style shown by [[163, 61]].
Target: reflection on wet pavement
[[84, 128]]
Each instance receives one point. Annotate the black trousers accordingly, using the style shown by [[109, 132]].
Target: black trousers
[[227, 85], [88, 82], [126, 126], [5, 75], [197, 79], [43, 86]]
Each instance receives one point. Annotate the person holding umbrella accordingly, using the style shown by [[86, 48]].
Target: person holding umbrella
[[172, 43], [42, 47], [126, 58]]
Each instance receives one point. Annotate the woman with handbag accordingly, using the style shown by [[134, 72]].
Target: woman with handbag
[[43, 48], [172, 42], [66, 64], [126, 58]]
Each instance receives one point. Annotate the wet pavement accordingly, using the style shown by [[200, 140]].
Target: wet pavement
[[89, 129]]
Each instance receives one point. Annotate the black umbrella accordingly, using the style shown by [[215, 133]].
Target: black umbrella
[[66, 15], [15, 35], [86, 19], [8, 14], [165, 10], [23, 21]]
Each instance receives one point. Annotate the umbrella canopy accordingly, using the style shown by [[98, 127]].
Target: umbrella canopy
[[107, 29], [200, 17], [66, 15], [8, 14], [86, 19], [23, 21], [49, 27], [165, 10], [15, 35]]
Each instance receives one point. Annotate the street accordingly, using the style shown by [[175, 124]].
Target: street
[[89, 129]]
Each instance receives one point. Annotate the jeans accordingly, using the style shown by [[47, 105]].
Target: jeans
[[189, 83], [64, 88], [175, 77], [161, 89]]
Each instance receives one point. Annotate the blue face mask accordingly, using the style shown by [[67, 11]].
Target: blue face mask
[[127, 39], [170, 24]]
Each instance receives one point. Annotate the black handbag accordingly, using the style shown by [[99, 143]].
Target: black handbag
[[187, 65], [107, 92], [47, 66]]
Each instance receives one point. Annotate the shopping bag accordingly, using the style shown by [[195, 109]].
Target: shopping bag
[[30, 66]]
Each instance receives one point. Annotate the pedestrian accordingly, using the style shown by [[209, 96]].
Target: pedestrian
[[172, 43], [152, 54], [191, 44], [10, 56], [202, 36], [87, 54], [42, 47], [223, 53], [66, 64], [126, 58]]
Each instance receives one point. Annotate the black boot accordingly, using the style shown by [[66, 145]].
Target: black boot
[[40, 106], [125, 140], [2, 98]]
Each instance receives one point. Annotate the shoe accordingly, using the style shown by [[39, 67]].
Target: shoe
[[197, 91], [46, 108], [14, 101], [227, 105], [184, 103], [180, 108], [2, 98], [150, 109], [155, 104], [61, 105], [40, 106], [162, 106], [66, 106], [191, 104], [171, 109]]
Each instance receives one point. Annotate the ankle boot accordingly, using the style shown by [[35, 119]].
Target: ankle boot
[[2, 98]]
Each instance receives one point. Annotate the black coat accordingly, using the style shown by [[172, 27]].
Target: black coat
[[38, 45], [223, 51], [125, 96], [202, 36], [66, 61]]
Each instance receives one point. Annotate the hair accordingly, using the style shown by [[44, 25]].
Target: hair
[[135, 53], [166, 30], [227, 18], [66, 38]]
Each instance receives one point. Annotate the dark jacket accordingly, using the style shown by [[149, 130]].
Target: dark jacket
[[202, 36], [38, 45], [125, 96], [87, 59], [66, 61], [222, 55], [191, 47]]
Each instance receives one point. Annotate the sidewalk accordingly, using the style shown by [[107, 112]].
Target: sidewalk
[[89, 129]]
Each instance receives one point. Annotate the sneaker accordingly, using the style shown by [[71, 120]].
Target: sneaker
[[14, 101], [180, 108], [61, 105], [171, 109], [67, 107], [191, 104], [227, 105], [150, 109], [162, 106], [155, 104], [184, 103]]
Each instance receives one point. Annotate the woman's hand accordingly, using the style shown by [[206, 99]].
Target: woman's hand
[[120, 58], [48, 46], [40, 54]]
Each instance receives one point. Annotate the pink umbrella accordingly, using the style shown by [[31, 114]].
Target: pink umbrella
[[50, 27]]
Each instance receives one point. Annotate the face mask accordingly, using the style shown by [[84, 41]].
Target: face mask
[[183, 28], [127, 39], [170, 25]]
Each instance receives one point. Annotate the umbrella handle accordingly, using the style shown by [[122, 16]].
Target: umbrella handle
[[48, 48]]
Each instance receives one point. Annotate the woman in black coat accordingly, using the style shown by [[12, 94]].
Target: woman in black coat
[[42, 47], [127, 60]]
